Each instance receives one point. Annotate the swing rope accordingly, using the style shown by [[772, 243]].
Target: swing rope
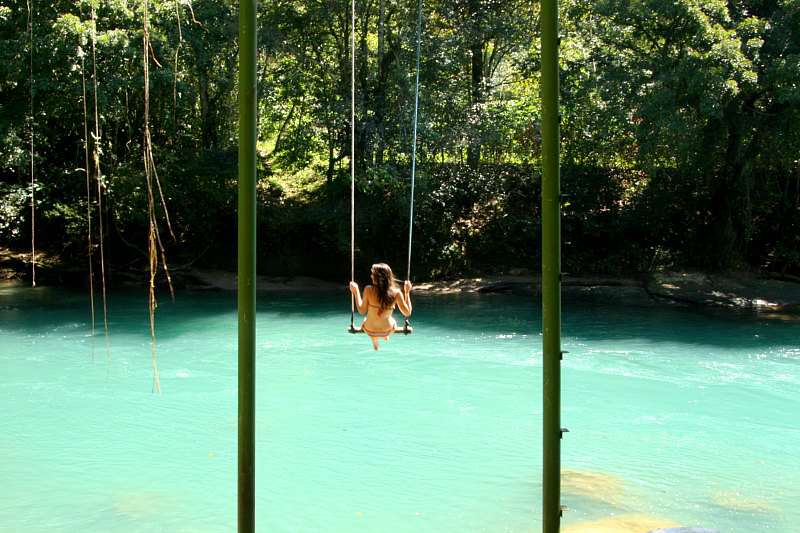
[[33, 176], [414, 151], [352, 159], [353, 151]]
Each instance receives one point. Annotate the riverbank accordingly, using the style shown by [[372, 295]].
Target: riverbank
[[771, 296], [737, 291]]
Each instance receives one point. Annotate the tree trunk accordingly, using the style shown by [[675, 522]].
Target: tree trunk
[[476, 85], [204, 111], [381, 19], [731, 205], [281, 131], [345, 80], [476, 97], [380, 90], [365, 132], [331, 161]]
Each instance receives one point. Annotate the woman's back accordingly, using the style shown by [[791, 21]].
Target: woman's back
[[379, 317]]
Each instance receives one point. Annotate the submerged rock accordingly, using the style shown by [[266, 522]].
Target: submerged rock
[[736, 501], [625, 523], [685, 530], [598, 486]]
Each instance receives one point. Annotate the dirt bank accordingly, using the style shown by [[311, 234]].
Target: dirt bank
[[764, 294]]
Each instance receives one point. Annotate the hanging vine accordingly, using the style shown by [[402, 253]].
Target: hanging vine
[[33, 176], [98, 177], [81, 54], [155, 247], [175, 70]]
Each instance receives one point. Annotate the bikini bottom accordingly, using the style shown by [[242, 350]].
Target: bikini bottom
[[386, 333]]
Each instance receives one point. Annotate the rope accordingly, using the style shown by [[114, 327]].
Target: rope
[[414, 151], [414, 145], [353, 151], [33, 176], [352, 158]]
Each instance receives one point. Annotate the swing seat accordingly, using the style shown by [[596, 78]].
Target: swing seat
[[405, 330]]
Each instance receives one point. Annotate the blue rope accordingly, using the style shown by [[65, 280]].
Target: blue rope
[[414, 152]]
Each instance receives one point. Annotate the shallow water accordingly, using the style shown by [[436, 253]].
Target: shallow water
[[675, 418]]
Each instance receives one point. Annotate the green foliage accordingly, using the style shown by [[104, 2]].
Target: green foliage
[[680, 131], [14, 199]]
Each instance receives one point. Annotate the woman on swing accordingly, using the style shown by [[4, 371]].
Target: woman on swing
[[379, 302]]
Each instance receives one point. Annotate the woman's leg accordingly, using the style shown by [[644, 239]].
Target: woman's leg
[[393, 325], [374, 342]]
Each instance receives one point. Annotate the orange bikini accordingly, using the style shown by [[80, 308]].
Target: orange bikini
[[392, 323]]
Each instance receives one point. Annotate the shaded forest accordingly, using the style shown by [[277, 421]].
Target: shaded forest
[[680, 132]]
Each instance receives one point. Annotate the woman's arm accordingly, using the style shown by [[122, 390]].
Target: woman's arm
[[361, 303], [404, 300]]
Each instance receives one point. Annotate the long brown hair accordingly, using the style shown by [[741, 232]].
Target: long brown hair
[[384, 284]]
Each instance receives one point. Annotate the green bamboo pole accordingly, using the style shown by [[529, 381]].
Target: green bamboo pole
[[551, 271], [247, 264]]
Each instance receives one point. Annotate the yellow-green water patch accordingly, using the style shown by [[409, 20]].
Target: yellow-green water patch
[[738, 501], [624, 523], [598, 486]]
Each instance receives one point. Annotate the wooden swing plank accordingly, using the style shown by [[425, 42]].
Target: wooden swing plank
[[397, 329]]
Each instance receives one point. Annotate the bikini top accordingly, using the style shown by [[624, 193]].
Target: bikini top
[[382, 308]]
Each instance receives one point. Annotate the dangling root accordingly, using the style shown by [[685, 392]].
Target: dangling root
[[88, 187], [151, 296], [155, 247], [33, 176], [99, 181], [175, 69]]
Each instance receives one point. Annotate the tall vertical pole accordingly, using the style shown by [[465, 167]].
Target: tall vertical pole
[[247, 265], [551, 271]]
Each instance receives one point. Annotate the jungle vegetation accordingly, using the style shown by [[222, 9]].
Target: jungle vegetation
[[680, 132]]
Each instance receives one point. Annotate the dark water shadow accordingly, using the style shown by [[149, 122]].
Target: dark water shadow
[[585, 318]]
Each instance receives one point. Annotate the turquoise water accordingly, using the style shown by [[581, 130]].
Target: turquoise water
[[674, 417]]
